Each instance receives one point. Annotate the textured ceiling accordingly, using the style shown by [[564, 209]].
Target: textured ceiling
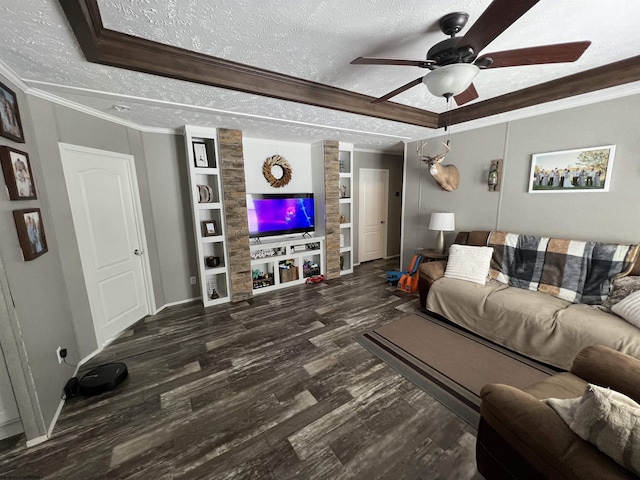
[[310, 39]]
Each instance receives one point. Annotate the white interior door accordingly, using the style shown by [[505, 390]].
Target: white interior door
[[106, 215], [372, 231]]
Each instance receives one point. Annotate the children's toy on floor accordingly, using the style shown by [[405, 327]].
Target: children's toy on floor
[[314, 279], [407, 280]]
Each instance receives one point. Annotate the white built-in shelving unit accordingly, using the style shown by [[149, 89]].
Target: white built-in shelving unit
[[346, 207], [208, 210], [284, 263]]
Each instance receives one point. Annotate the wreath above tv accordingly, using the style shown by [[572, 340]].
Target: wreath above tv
[[268, 171]]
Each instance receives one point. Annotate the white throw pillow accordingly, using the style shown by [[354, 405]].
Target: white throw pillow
[[469, 263], [606, 418], [629, 309]]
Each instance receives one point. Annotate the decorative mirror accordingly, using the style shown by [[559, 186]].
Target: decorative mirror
[[277, 171]]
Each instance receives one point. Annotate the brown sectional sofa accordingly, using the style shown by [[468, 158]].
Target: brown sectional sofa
[[540, 326], [521, 437]]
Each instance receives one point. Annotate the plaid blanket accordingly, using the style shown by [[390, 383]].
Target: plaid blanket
[[580, 272]]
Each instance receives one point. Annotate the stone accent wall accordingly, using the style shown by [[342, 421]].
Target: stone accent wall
[[332, 207], [235, 209]]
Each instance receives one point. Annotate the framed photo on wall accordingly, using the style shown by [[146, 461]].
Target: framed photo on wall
[[17, 174], [10, 124], [200, 154], [572, 171], [30, 233]]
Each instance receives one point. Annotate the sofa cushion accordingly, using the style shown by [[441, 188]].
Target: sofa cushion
[[629, 309], [535, 324], [538, 434], [606, 418], [621, 288], [468, 263]]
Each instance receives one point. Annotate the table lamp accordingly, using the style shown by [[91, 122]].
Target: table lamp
[[441, 222]]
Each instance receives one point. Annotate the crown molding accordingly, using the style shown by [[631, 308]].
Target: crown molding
[[116, 49], [585, 99]]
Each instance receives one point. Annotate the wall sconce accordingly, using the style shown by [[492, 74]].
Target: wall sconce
[[495, 175]]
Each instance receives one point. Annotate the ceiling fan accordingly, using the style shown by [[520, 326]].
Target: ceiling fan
[[454, 63]]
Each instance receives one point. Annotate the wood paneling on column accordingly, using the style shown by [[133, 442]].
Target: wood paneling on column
[[235, 208], [332, 207]]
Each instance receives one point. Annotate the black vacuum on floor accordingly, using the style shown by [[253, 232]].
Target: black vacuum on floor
[[97, 380]]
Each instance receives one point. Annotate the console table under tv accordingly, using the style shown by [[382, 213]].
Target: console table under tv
[[283, 263]]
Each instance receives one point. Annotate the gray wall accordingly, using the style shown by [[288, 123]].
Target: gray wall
[[49, 293], [40, 297], [613, 216], [394, 164]]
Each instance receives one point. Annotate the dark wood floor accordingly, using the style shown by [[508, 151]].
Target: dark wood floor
[[274, 388]]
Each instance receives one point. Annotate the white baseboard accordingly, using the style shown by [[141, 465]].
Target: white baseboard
[[173, 304], [37, 441]]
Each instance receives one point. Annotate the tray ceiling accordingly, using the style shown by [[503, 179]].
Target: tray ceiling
[[310, 40]]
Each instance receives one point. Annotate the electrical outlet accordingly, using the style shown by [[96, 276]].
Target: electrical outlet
[[58, 350], [192, 280]]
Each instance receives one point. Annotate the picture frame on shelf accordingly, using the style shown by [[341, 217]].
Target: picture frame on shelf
[[200, 154], [10, 124], [31, 235], [210, 228], [579, 170], [17, 174]]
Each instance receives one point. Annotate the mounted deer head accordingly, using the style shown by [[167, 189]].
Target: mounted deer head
[[447, 176]]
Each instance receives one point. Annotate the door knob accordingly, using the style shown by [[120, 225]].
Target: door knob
[[138, 252], [381, 221]]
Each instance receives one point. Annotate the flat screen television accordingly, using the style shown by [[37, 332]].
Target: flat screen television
[[280, 213]]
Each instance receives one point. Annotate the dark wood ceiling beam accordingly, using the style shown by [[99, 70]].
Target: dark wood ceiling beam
[[117, 49], [611, 75]]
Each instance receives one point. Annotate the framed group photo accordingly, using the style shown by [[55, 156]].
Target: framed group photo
[[30, 233], [10, 124], [17, 174], [572, 171]]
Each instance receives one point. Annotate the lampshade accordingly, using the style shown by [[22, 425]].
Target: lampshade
[[451, 79], [442, 221]]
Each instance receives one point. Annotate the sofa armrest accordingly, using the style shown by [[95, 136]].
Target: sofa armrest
[[541, 437], [428, 273], [609, 368], [432, 271]]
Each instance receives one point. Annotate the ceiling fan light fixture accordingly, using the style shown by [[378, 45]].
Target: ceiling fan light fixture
[[450, 80]]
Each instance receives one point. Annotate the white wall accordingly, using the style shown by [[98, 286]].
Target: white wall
[[298, 155]]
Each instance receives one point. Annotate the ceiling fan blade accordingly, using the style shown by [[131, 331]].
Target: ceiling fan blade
[[465, 97], [559, 53], [498, 16], [397, 91], [391, 61]]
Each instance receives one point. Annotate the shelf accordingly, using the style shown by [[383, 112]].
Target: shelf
[[204, 141], [287, 251], [345, 154], [205, 171], [209, 206], [214, 239]]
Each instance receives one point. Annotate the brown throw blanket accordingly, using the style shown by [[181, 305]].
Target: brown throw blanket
[[580, 272]]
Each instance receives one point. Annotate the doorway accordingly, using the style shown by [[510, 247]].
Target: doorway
[[107, 216], [373, 213]]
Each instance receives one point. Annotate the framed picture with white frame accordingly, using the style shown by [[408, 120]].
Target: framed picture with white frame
[[572, 171]]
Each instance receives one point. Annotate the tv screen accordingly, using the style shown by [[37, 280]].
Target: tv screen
[[280, 213]]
